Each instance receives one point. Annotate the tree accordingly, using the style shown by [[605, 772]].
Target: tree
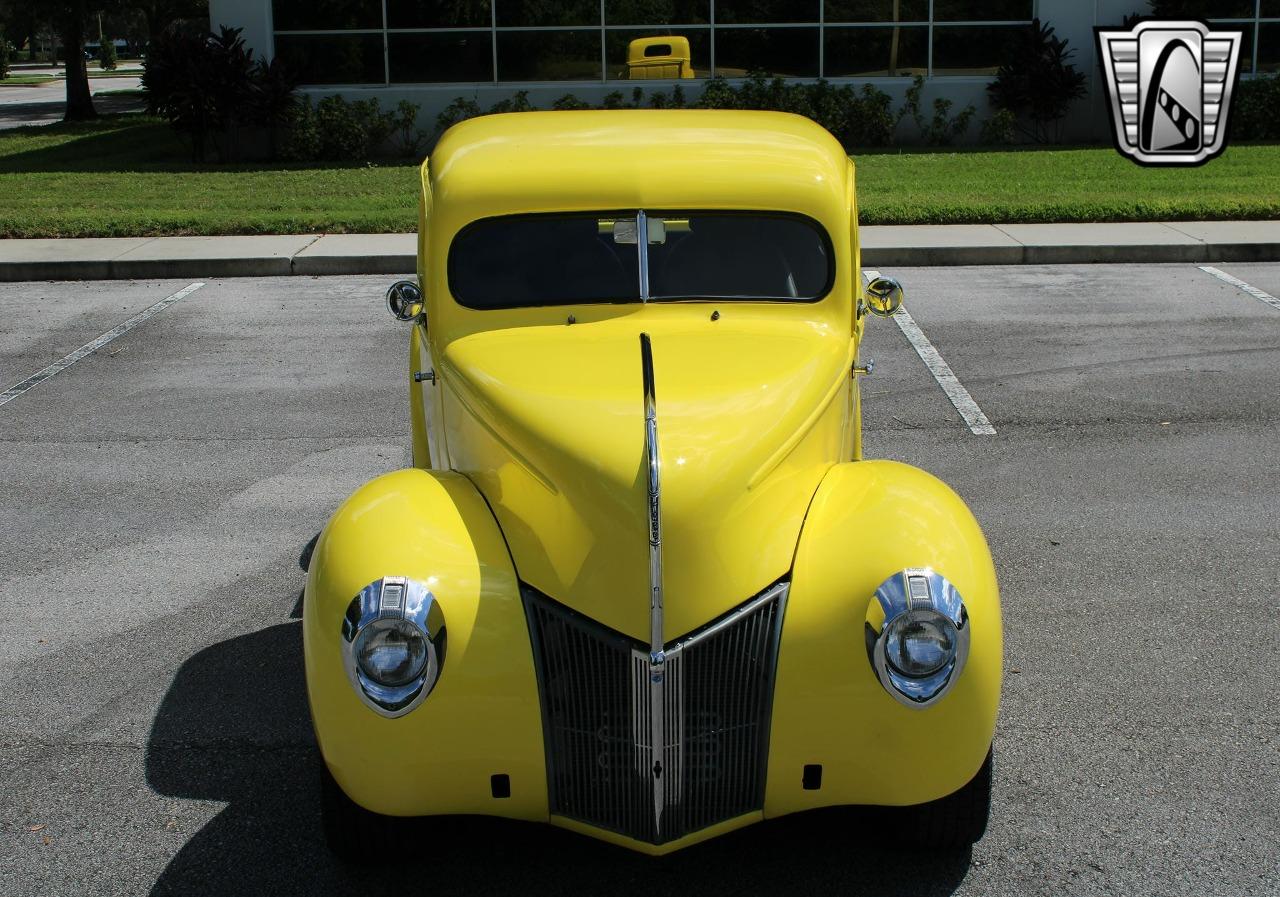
[[4, 56], [69, 19], [160, 14]]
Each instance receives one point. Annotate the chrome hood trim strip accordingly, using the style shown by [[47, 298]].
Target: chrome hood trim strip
[[657, 657]]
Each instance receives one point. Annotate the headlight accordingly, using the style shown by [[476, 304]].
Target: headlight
[[393, 641], [921, 648], [391, 652]]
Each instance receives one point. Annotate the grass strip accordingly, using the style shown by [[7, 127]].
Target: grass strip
[[130, 176]]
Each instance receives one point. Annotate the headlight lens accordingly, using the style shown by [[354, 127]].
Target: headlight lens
[[392, 652], [393, 644], [917, 636], [918, 643]]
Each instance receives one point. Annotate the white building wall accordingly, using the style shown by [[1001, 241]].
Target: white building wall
[[1072, 19]]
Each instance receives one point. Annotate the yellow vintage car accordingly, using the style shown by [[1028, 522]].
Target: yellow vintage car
[[640, 582], [662, 58]]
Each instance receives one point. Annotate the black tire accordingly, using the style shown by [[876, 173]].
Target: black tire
[[955, 822], [354, 835]]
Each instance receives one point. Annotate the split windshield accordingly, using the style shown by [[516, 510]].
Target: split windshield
[[538, 260]]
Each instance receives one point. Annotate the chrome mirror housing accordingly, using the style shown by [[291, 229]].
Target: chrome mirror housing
[[883, 296], [404, 298]]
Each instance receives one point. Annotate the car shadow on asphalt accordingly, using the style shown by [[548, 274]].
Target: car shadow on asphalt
[[234, 728]]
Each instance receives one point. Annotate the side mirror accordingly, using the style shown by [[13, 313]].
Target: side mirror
[[405, 300], [883, 296]]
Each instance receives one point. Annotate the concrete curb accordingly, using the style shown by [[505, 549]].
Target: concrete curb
[[882, 247]]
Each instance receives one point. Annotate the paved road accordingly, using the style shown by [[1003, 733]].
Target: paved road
[[23, 106], [153, 726]]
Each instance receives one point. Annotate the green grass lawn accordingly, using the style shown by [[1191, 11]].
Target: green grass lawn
[[27, 80], [130, 176]]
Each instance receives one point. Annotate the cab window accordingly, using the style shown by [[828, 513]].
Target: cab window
[[542, 260]]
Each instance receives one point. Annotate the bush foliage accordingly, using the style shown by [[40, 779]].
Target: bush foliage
[[209, 86], [1255, 109], [1037, 84], [4, 56], [857, 117], [107, 55]]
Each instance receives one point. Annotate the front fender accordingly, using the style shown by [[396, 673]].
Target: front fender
[[869, 520], [483, 717]]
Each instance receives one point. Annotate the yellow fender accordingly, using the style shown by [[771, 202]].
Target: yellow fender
[[483, 717], [868, 521]]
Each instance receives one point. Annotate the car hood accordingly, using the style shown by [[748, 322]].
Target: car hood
[[548, 421]]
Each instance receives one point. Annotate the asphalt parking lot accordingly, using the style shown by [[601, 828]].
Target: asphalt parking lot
[[154, 734]]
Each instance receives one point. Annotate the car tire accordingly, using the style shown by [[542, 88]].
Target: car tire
[[955, 822], [353, 834]]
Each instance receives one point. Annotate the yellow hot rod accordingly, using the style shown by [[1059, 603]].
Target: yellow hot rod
[[639, 582]]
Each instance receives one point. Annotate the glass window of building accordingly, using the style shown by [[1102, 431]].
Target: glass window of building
[[657, 12], [513, 41], [875, 52], [876, 11]]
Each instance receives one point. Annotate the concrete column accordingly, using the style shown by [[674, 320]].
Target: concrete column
[[254, 16]]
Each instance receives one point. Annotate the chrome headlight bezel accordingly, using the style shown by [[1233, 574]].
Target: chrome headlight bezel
[[927, 594], [402, 600]]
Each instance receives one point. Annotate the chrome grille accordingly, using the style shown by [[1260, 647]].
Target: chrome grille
[[597, 704]]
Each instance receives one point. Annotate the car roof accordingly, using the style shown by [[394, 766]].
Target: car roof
[[636, 158]]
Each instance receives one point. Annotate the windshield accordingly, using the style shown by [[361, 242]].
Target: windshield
[[563, 259]]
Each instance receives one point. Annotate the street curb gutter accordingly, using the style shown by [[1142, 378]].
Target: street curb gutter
[[882, 247]]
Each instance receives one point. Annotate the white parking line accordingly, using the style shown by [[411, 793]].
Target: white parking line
[[89, 348], [1240, 284], [942, 373]]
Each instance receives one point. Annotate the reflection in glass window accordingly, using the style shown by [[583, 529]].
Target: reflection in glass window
[[737, 256], [657, 12], [973, 49], [326, 15], [1208, 9], [620, 51], [734, 12], [440, 56], [434, 14], [876, 52], [333, 58], [549, 55], [543, 260], [790, 52], [1270, 9], [534, 13], [982, 11], [877, 11], [1269, 48]]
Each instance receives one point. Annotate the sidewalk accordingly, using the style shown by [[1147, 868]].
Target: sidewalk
[[125, 258]]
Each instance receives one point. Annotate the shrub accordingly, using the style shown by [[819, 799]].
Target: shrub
[[1255, 109], [461, 109], [209, 85], [999, 128], [518, 102], [1038, 83], [107, 55], [856, 118], [4, 56], [942, 128], [568, 102], [335, 130]]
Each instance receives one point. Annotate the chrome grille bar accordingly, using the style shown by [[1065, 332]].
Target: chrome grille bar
[[596, 689]]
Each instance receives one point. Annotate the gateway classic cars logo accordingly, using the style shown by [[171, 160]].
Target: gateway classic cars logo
[[1170, 88]]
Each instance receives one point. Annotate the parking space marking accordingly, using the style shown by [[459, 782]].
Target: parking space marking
[[1240, 284], [978, 423], [89, 348]]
